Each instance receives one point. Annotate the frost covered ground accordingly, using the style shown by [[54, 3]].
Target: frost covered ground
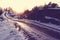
[[9, 32]]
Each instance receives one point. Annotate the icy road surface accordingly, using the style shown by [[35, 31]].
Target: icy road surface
[[9, 32], [23, 31]]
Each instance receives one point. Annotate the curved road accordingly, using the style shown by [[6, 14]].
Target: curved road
[[32, 31]]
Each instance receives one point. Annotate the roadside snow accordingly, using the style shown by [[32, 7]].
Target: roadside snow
[[8, 32]]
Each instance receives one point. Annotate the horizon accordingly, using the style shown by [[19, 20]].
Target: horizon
[[22, 5]]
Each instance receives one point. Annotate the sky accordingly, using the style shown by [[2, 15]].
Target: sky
[[21, 5]]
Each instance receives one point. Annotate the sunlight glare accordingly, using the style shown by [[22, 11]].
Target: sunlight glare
[[21, 5]]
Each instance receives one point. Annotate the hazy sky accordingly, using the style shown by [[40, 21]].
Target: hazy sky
[[21, 5]]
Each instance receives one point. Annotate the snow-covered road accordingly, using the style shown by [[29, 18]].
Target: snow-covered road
[[27, 30]]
